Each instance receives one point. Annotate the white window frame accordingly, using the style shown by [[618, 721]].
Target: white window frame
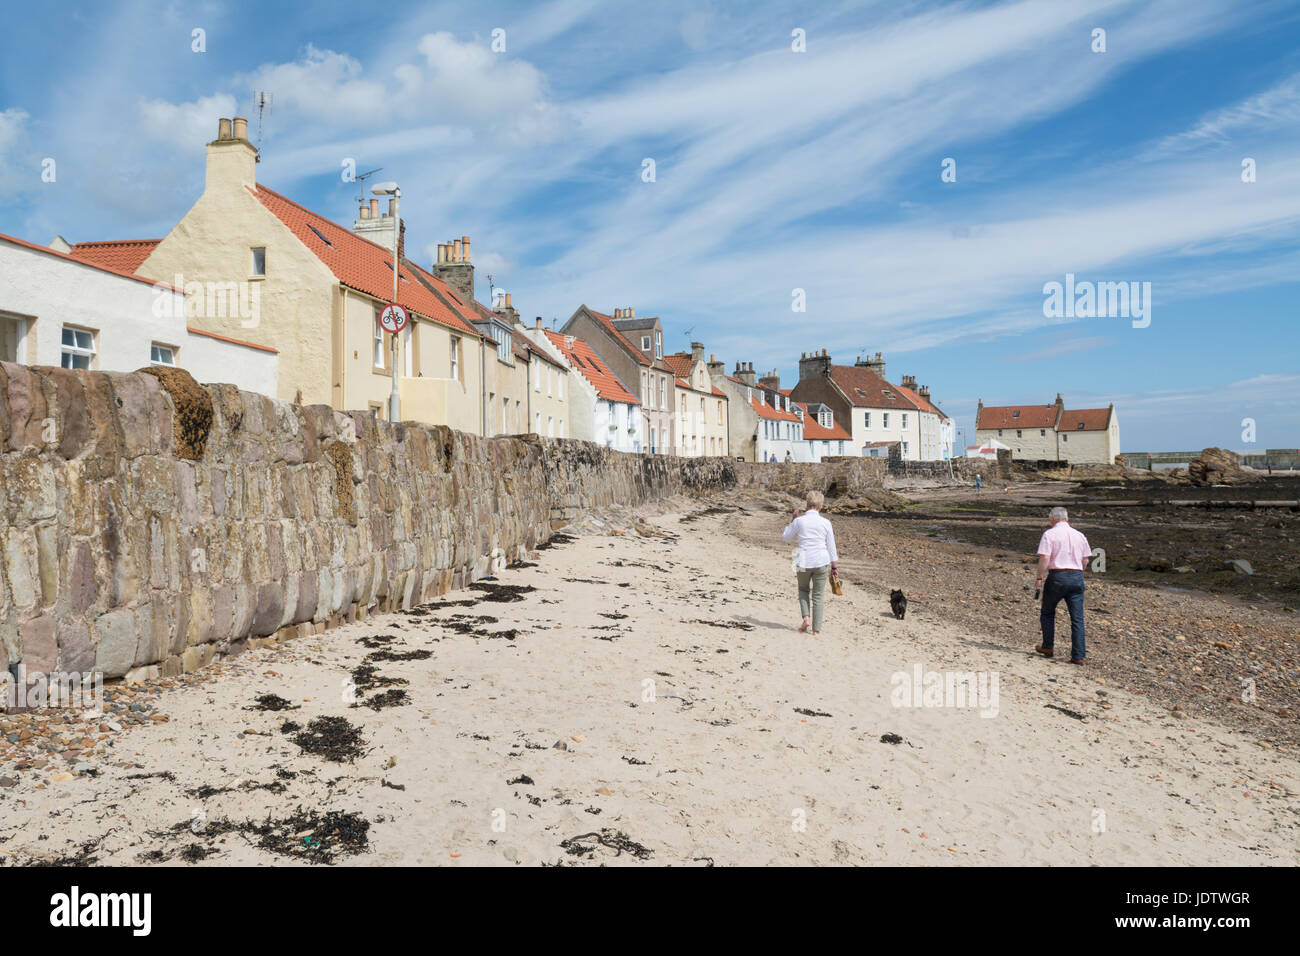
[[77, 350], [157, 347], [380, 353], [455, 356], [252, 262]]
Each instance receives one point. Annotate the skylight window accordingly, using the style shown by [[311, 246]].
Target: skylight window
[[320, 235]]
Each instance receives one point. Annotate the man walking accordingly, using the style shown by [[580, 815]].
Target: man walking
[[1062, 553]]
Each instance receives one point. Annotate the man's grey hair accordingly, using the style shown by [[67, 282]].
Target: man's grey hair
[[1059, 514], [815, 499]]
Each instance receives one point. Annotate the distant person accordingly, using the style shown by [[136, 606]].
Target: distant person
[[978, 483], [815, 560], [788, 458], [1062, 554], [772, 458]]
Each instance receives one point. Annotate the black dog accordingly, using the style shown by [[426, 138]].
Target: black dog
[[898, 601]]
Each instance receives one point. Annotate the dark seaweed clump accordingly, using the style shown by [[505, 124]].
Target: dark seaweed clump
[[584, 845], [332, 738], [271, 702]]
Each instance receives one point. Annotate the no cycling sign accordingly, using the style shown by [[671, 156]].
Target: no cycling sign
[[393, 319]]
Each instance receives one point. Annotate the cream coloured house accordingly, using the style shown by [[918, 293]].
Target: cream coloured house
[[277, 274], [701, 407], [1051, 432]]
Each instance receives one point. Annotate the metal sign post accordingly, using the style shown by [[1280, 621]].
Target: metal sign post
[[393, 320]]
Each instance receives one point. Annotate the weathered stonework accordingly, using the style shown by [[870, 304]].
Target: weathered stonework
[[138, 546]]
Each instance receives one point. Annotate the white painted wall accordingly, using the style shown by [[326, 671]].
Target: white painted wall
[[878, 431], [126, 316]]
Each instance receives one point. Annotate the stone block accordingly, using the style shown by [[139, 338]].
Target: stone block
[[117, 634], [40, 647], [268, 611]]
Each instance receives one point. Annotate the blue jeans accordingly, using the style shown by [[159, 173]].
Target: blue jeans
[[1064, 586]]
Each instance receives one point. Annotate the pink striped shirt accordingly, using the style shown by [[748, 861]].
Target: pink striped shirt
[[1066, 549]]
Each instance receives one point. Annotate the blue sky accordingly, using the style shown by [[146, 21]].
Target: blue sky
[[775, 170]]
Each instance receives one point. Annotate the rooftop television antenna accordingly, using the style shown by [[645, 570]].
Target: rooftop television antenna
[[361, 178], [262, 100]]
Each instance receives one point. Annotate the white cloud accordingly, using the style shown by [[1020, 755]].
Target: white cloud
[[1278, 106], [185, 125]]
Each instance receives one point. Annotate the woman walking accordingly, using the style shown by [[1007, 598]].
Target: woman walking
[[815, 561]]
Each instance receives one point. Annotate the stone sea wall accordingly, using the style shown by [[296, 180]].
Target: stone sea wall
[[149, 524]]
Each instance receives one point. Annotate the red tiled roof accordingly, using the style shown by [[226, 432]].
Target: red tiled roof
[[1085, 420], [679, 363], [588, 364], [920, 402], [608, 322], [812, 429], [123, 255], [865, 389], [361, 264], [1016, 416], [83, 262], [767, 411]]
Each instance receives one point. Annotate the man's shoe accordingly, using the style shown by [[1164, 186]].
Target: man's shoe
[[1045, 651], [1076, 660]]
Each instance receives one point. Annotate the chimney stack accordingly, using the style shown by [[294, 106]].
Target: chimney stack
[[771, 380], [231, 160], [924, 392], [539, 323], [697, 352], [745, 373], [815, 365], [454, 268], [507, 311]]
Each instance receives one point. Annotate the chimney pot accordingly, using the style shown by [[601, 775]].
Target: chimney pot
[[365, 212], [465, 246], [507, 300], [374, 209], [539, 323], [391, 206], [442, 252], [456, 253], [241, 128], [223, 129]]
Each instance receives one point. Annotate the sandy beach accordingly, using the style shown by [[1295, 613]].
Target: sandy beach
[[645, 700]]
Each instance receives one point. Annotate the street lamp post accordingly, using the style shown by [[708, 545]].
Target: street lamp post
[[392, 189]]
